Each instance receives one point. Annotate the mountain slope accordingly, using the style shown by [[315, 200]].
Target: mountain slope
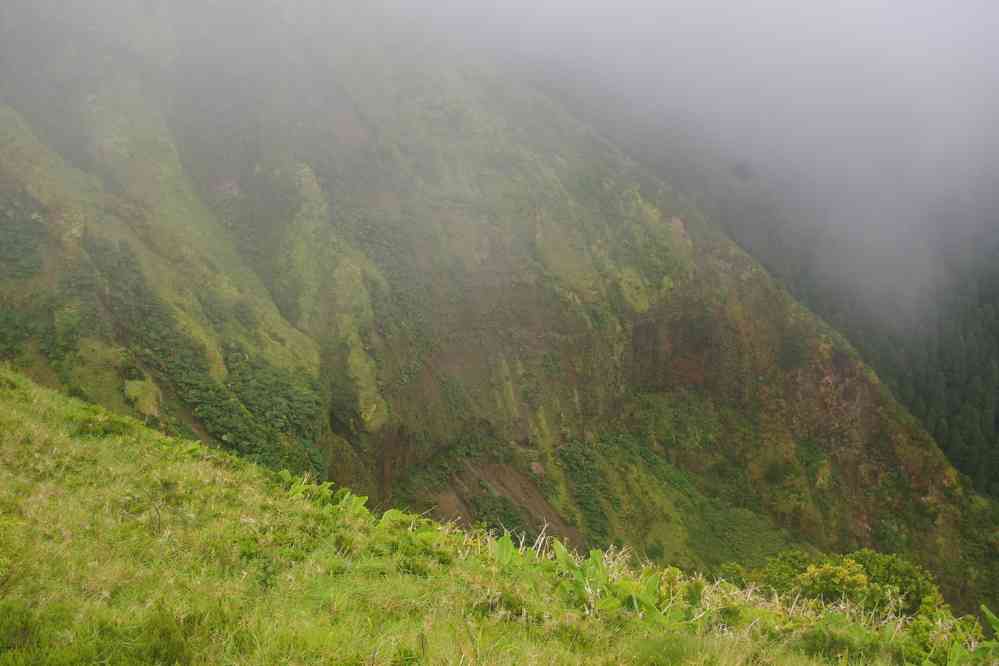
[[379, 259], [120, 545], [921, 309]]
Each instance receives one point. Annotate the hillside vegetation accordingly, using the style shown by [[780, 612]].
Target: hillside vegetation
[[332, 244], [120, 545], [923, 314], [934, 342]]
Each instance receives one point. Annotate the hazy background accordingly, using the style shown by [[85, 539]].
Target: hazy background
[[873, 120], [846, 90], [870, 121]]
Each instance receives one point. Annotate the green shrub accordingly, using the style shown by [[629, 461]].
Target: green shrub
[[834, 581], [910, 582], [588, 485], [500, 513], [780, 573], [867, 578]]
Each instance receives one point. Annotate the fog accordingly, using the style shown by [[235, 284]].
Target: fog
[[848, 92], [871, 119], [874, 119]]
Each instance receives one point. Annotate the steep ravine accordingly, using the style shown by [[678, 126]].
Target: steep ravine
[[433, 284]]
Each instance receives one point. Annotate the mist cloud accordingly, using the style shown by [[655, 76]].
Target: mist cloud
[[877, 117]]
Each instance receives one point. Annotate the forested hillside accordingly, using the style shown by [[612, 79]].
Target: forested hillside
[[338, 245], [944, 365], [927, 323], [920, 304], [937, 347]]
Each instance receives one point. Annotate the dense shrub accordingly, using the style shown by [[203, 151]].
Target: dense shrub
[[588, 485], [262, 412], [864, 577], [497, 512], [15, 329], [836, 580], [910, 582], [22, 232]]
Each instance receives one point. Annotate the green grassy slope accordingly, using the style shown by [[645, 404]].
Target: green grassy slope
[[120, 545], [387, 262]]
